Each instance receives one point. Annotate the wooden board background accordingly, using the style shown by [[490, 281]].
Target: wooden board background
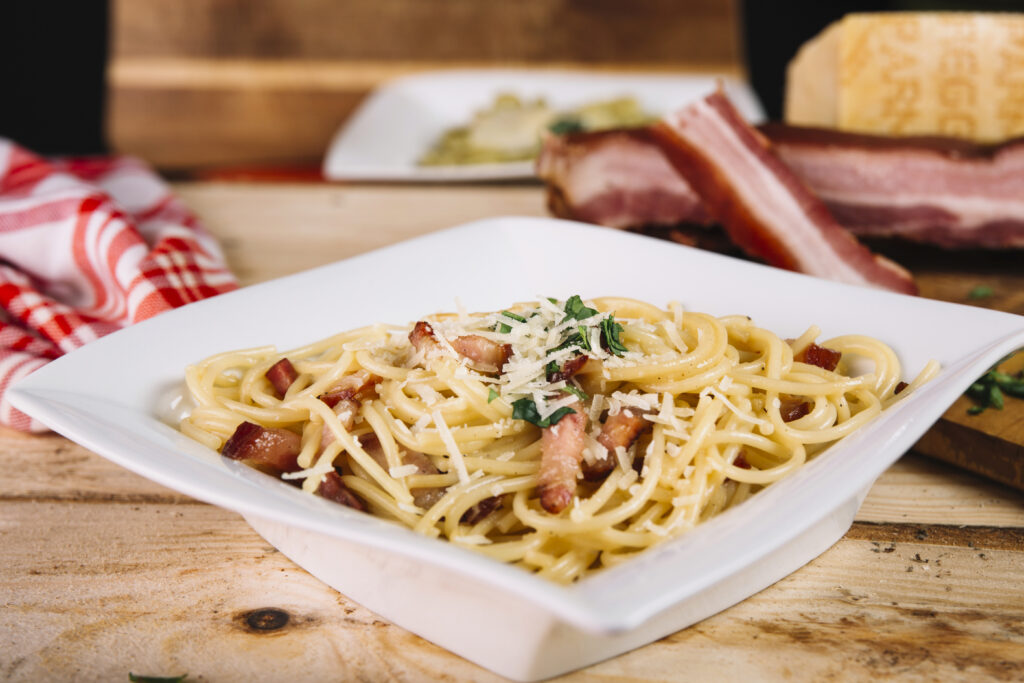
[[213, 82]]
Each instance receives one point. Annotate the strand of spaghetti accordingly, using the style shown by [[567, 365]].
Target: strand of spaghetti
[[356, 452]]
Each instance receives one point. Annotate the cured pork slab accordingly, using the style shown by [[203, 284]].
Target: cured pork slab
[[942, 191], [760, 202], [939, 191]]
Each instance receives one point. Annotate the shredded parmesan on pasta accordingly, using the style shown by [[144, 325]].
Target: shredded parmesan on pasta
[[459, 457]]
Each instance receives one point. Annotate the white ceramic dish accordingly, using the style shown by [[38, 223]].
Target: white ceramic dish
[[389, 132], [109, 397]]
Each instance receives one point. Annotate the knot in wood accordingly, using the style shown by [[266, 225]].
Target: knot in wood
[[266, 619]]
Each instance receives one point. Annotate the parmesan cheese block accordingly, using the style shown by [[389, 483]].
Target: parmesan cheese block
[[913, 73]]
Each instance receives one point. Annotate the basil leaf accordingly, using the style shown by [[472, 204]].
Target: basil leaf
[[610, 331], [526, 409], [576, 310], [491, 394]]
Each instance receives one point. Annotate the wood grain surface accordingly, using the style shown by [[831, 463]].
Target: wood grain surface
[[224, 82], [104, 572]]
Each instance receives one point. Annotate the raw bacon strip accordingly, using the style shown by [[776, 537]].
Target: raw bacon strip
[[616, 178], [761, 204], [281, 375], [943, 191], [561, 452], [269, 449], [618, 431]]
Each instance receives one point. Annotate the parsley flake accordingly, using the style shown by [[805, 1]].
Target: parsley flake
[[491, 394]]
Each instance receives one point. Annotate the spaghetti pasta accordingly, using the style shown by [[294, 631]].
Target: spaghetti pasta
[[560, 436]]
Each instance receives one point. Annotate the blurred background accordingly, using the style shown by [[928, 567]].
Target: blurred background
[[189, 84]]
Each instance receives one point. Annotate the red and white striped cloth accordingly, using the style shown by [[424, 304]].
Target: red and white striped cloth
[[88, 246]]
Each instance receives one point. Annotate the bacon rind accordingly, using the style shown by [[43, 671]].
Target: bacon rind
[[354, 387], [281, 375], [569, 368], [489, 355], [618, 431], [561, 454], [272, 449], [333, 488], [763, 206], [819, 356], [481, 510]]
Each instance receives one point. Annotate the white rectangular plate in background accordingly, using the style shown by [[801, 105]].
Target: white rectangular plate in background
[[112, 395], [400, 121]]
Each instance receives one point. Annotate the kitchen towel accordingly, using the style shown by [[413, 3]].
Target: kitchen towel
[[88, 246]]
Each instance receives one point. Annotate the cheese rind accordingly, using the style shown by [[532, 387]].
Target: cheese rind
[[908, 73]]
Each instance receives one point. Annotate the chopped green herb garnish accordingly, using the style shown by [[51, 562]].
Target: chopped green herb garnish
[[491, 394], [156, 679], [577, 392], [566, 125], [504, 328], [989, 390], [526, 409], [576, 310], [551, 368], [981, 292], [610, 331], [514, 316]]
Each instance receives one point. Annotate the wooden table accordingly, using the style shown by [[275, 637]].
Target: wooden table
[[104, 572]]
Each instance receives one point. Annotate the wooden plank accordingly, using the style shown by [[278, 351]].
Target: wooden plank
[[448, 30], [309, 225], [929, 610], [186, 113], [208, 82]]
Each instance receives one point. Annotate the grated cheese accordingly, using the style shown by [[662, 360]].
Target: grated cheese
[[454, 454]]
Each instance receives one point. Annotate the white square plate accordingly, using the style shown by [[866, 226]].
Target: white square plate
[[109, 396], [399, 122]]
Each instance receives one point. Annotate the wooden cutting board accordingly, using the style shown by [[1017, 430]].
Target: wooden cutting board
[[992, 442]]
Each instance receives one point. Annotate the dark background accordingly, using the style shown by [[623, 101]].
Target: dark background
[[53, 56]]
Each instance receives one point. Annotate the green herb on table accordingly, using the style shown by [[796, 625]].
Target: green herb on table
[[988, 391], [980, 292]]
